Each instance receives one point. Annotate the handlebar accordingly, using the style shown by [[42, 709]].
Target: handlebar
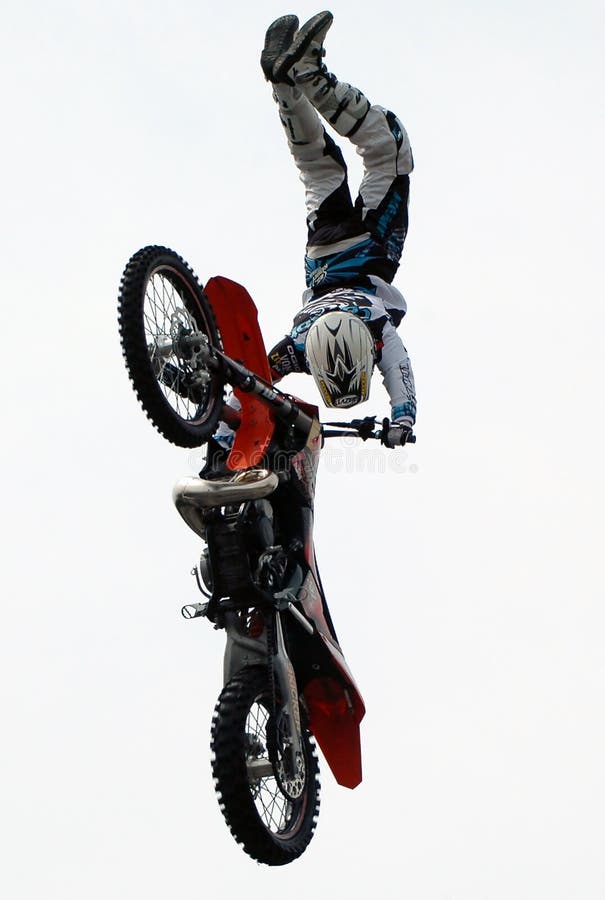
[[363, 428], [291, 411]]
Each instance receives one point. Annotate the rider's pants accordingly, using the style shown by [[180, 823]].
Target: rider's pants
[[349, 239]]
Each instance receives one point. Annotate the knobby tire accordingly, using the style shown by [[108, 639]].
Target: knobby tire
[[154, 271], [232, 743]]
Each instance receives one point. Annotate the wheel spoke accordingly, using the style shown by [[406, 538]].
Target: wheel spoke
[[160, 303], [273, 826], [163, 301], [275, 810]]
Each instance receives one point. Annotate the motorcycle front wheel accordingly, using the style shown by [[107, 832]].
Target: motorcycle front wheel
[[161, 302], [272, 813]]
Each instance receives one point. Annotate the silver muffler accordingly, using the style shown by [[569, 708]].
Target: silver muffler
[[192, 495]]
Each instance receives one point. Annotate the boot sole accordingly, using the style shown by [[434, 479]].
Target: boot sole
[[279, 37], [300, 44]]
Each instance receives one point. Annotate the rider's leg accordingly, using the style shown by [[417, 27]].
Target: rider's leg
[[382, 202], [319, 161], [379, 137]]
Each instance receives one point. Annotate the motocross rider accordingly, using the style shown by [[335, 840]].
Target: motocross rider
[[350, 308]]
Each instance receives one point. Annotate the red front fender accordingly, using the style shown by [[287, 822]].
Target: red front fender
[[237, 320]]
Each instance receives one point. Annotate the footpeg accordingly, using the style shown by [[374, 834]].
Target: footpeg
[[194, 610]]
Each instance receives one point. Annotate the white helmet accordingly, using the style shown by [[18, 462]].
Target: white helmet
[[340, 355]]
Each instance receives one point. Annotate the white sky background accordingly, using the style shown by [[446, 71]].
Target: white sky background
[[468, 595]]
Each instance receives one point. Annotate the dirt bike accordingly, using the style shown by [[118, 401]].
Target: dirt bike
[[286, 681]]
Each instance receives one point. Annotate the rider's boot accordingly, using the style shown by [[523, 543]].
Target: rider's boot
[[278, 38], [343, 106]]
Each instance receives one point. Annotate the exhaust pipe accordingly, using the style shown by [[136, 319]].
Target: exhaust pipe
[[193, 495]]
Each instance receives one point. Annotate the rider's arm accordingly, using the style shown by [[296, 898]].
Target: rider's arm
[[397, 376]]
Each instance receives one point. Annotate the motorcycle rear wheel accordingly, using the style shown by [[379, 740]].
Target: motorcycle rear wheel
[[161, 299], [273, 817]]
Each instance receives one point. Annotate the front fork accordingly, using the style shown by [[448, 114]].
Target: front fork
[[284, 672], [243, 650]]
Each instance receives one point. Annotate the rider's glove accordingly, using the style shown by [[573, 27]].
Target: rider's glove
[[394, 435]]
